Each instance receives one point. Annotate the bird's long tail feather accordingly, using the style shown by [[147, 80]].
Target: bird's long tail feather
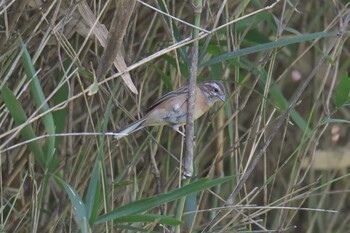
[[137, 125]]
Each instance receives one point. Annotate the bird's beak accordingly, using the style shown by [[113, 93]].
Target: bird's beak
[[222, 98]]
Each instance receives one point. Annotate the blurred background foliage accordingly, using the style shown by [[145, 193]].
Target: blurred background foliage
[[262, 51]]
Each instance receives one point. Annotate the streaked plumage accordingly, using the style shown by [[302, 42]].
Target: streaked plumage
[[171, 108]]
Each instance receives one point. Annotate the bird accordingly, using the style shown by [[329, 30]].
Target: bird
[[171, 108]]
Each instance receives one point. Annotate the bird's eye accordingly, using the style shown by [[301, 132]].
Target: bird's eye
[[216, 90]]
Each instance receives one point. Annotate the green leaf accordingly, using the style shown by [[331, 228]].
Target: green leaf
[[93, 188], [60, 115], [78, 206], [190, 208], [95, 192], [267, 46], [60, 97], [150, 218], [342, 91], [333, 120], [41, 103], [137, 207], [20, 117]]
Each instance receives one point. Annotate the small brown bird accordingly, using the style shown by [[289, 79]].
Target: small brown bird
[[171, 109]]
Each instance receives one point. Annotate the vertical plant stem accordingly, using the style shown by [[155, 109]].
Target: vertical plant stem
[[188, 157]]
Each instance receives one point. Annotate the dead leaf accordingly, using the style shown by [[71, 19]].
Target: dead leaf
[[101, 32]]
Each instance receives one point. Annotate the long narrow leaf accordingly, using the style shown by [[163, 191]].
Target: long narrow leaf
[[150, 218], [267, 46], [61, 96], [94, 186], [40, 101], [149, 203], [20, 117], [334, 120], [342, 91], [78, 206]]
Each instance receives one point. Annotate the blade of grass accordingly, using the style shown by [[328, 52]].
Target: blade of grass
[[190, 207], [20, 117], [78, 206], [150, 218], [267, 46], [94, 189], [342, 91], [333, 120], [249, 23], [41, 103], [61, 96], [146, 204]]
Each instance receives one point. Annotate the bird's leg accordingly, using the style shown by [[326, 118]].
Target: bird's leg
[[176, 128]]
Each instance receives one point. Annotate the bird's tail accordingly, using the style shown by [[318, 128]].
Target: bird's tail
[[137, 125]]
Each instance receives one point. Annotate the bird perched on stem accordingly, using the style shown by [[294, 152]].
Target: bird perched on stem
[[171, 108]]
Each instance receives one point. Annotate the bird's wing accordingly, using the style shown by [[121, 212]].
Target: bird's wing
[[167, 96]]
